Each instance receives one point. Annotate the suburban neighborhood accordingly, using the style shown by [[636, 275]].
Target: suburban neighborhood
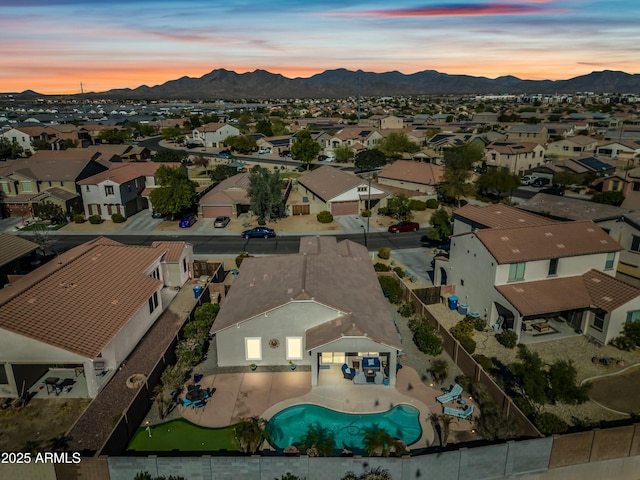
[[290, 288]]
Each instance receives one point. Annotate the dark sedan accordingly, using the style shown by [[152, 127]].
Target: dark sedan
[[259, 232], [187, 221], [552, 191], [404, 227]]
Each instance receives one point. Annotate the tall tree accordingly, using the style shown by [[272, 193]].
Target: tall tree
[[9, 149], [396, 143], [530, 377], [265, 192], [367, 160], [440, 222], [175, 193], [305, 148], [343, 153], [457, 170], [171, 156], [399, 206], [222, 172], [240, 143], [250, 433], [264, 127], [499, 180]]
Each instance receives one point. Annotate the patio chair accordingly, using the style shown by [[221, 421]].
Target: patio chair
[[186, 402], [348, 373], [197, 404]]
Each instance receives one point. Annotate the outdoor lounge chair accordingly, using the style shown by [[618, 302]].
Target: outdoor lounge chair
[[348, 373], [463, 413], [451, 395]]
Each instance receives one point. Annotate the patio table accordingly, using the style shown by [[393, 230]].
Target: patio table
[[50, 383]]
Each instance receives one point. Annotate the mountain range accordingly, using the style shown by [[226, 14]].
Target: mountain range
[[340, 83]]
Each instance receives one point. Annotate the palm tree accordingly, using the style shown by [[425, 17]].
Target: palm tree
[[318, 441], [446, 421], [250, 433], [439, 370], [377, 442]]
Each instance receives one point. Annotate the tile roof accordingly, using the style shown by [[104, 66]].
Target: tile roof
[[500, 216], [555, 240], [328, 182], [546, 296], [324, 271], [13, 247], [416, 172], [230, 191], [571, 208], [592, 289], [50, 165], [80, 300], [124, 172], [513, 148]]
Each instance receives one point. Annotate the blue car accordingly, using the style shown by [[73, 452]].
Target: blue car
[[258, 232], [187, 221]]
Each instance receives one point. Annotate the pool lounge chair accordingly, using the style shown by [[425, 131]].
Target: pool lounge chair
[[463, 413], [451, 395]]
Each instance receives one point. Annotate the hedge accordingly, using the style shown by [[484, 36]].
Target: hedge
[[432, 204], [324, 217]]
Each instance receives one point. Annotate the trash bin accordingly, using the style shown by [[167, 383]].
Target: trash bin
[[197, 291], [463, 309], [474, 314], [197, 377], [453, 302]]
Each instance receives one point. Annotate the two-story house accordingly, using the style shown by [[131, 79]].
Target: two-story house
[[515, 157], [528, 132], [576, 146], [358, 138], [409, 175], [516, 276], [123, 189], [46, 176], [213, 134]]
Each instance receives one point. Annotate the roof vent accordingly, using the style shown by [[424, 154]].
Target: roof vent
[[504, 239], [518, 289], [548, 234], [603, 241], [595, 280], [515, 250], [590, 230], [607, 299], [561, 245]]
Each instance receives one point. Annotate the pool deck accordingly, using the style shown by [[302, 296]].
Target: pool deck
[[263, 394]]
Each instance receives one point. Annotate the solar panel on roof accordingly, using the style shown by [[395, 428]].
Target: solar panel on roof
[[594, 163]]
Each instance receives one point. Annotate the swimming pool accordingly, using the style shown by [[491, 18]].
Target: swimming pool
[[288, 426]]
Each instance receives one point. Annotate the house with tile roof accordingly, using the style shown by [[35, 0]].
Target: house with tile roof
[[517, 157], [213, 134], [46, 176], [357, 138], [15, 254], [341, 193], [227, 199], [619, 149], [303, 309], [410, 175], [528, 132], [519, 277], [123, 189], [86, 310], [576, 146]]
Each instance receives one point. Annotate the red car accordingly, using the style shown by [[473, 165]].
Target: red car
[[404, 227]]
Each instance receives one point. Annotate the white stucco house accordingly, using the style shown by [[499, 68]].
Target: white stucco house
[[213, 134], [517, 157], [341, 193], [515, 271], [86, 311], [322, 307]]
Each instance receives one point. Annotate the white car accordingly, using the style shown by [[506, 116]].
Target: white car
[[330, 158], [264, 150], [528, 179]]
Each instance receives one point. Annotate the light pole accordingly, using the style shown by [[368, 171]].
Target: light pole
[[365, 235], [148, 424], [368, 203]]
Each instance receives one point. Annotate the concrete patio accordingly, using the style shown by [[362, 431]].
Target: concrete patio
[[263, 394]]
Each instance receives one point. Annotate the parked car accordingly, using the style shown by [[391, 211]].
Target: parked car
[[227, 156], [438, 243], [541, 182], [330, 158], [322, 158], [404, 227], [552, 191], [221, 222], [528, 179], [258, 232], [158, 215], [186, 221], [285, 153], [262, 150]]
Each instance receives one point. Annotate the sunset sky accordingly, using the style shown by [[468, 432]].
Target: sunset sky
[[51, 46]]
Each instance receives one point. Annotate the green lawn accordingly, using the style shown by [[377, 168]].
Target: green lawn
[[42, 226], [290, 175], [183, 436]]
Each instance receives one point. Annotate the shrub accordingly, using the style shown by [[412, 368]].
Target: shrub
[[432, 204], [95, 219], [383, 211], [549, 423], [418, 205], [79, 218], [384, 253], [117, 218], [427, 339], [408, 310], [468, 344], [366, 213], [485, 362], [399, 271], [478, 323], [623, 343], [381, 267], [325, 217], [439, 370], [391, 288], [262, 222], [508, 338], [464, 328]]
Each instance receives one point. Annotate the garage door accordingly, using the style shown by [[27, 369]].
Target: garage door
[[217, 211], [344, 208]]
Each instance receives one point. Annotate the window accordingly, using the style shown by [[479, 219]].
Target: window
[[327, 358], [633, 317], [5, 187], [153, 302], [253, 348], [26, 187], [294, 348], [635, 243], [362, 188], [108, 190], [611, 257], [553, 267], [516, 271], [615, 185], [598, 320], [87, 188], [184, 264], [565, 148]]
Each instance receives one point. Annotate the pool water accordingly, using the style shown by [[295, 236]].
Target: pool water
[[288, 426]]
